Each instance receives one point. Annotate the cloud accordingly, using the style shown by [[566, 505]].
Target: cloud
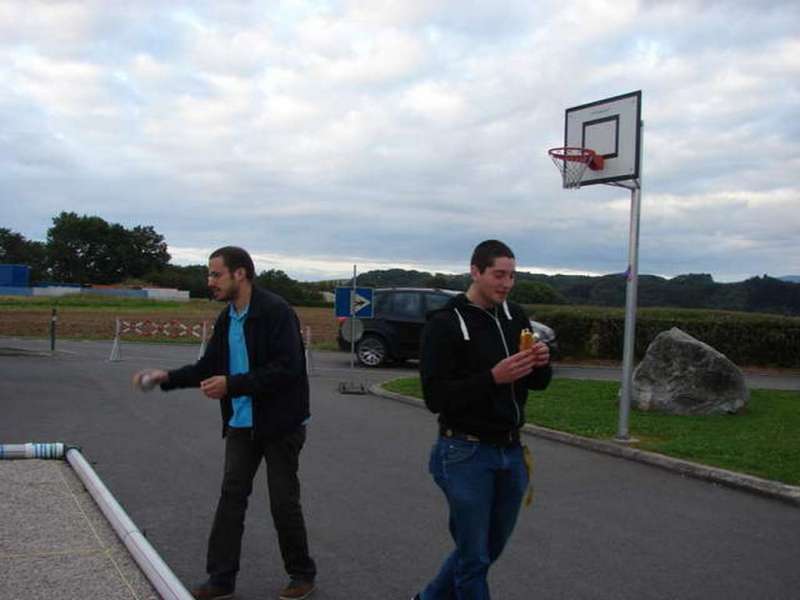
[[403, 133], [54, 25]]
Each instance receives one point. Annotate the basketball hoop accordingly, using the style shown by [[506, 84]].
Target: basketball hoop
[[572, 162]]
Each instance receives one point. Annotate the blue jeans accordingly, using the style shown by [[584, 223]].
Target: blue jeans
[[484, 485]]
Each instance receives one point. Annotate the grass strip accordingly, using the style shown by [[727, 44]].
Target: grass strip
[[764, 440], [102, 303]]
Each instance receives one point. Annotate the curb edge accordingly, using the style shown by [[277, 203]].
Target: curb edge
[[750, 483]]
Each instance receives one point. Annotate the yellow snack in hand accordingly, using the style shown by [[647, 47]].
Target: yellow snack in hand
[[526, 339]]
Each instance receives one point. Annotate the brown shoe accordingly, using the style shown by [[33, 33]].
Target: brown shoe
[[297, 590], [210, 591]]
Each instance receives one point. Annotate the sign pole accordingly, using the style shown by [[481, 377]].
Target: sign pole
[[357, 301], [631, 291], [353, 325], [53, 319]]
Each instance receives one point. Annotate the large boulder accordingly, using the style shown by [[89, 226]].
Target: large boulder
[[681, 375]]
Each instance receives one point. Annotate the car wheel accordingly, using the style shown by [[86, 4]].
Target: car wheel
[[371, 351]]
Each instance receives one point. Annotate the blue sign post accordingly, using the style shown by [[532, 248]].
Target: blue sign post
[[354, 302]]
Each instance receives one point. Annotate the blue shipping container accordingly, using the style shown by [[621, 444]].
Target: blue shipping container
[[7, 290], [15, 275]]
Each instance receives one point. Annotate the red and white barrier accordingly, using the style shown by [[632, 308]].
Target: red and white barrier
[[146, 327], [177, 329]]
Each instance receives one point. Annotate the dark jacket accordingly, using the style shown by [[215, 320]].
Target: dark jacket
[[277, 381], [461, 343]]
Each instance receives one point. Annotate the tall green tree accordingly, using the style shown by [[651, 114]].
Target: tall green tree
[[279, 282], [147, 250], [290, 290], [87, 249], [77, 248], [15, 249]]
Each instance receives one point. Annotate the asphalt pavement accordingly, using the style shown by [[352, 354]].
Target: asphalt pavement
[[600, 527]]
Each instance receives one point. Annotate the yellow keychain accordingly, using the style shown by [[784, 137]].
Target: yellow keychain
[[527, 456]]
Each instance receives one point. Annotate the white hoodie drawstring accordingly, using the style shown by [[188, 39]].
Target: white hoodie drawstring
[[461, 322], [505, 308]]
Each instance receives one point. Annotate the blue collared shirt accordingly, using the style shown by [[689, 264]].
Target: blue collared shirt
[[239, 363]]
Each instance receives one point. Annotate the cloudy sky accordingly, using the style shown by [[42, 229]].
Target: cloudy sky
[[319, 134]]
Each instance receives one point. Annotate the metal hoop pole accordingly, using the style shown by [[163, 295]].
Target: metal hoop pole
[[631, 294]]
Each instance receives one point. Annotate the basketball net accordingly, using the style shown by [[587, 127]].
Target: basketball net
[[572, 162]]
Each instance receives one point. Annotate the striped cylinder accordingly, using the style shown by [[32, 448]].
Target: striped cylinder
[[32, 450]]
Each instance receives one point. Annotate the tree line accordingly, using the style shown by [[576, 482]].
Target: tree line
[[84, 249], [194, 277], [756, 294], [87, 249]]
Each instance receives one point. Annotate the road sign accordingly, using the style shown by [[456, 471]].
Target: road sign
[[352, 330], [356, 302]]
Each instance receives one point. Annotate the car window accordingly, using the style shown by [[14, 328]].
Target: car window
[[434, 301], [406, 305], [382, 304]]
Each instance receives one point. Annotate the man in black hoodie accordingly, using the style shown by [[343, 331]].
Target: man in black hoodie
[[477, 380], [255, 366]]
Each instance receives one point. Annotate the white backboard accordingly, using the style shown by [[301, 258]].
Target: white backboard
[[612, 128]]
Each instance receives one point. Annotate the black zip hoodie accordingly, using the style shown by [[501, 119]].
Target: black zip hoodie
[[277, 381], [461, 343]]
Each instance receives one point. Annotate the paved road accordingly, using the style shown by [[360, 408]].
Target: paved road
[[601, 527]]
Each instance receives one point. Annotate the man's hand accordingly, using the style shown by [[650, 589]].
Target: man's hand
[[521, 364], [541, 353], [147, 379], [514, 367], [215, 387]]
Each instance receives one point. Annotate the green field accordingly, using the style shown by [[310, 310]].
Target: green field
[[102, 303], [764, 440]]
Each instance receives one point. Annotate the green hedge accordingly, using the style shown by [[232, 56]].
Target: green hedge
[[748, 339]]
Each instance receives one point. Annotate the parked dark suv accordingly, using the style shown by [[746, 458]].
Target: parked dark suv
[[393, 334]]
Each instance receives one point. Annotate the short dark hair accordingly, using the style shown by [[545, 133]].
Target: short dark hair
[[235, 258], [487, 251]]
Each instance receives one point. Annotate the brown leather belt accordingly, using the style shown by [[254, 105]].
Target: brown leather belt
[[508, 438]]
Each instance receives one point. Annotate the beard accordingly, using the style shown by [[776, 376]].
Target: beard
[[222, 295]]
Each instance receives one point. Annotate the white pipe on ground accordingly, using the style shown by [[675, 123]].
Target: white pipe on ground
[[155, 569], [160, 575]]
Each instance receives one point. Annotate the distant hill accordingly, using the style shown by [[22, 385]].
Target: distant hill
[[790, 278], [757, 294]]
